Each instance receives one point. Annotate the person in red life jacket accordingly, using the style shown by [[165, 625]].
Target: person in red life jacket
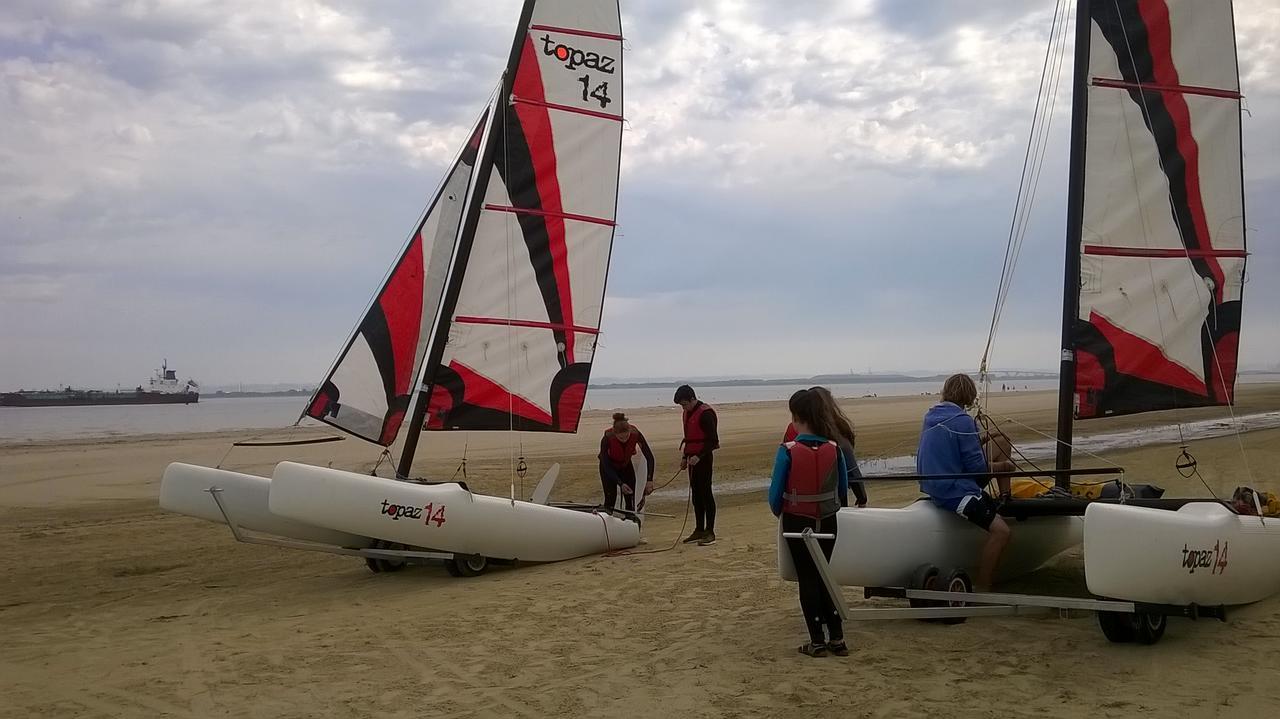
[[809, 485], [700, 440], [617, 447], [843, 427]]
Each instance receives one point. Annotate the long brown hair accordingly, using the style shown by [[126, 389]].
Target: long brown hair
[[836, 419], [806, 406]]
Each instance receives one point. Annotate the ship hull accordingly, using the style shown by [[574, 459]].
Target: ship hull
[[15, 399]]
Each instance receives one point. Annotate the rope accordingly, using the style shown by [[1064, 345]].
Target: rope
[[688, 504]]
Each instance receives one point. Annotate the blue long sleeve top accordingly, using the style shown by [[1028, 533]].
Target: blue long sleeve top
[[950, 444], [782, 467]]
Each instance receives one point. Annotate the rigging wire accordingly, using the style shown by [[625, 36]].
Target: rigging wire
[[1033, 160]]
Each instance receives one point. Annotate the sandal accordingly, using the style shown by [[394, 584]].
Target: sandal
[[813, 650], [838, 648]]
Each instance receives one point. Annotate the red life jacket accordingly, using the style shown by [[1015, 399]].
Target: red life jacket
[[790, 434], [620, 453], [695, 440], [813, 481]]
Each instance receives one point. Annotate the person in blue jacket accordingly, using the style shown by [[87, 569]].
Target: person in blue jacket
[[809, 486], [950, 443]]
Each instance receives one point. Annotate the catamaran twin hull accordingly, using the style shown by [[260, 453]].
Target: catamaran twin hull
[[1202, 554], [345, 509]]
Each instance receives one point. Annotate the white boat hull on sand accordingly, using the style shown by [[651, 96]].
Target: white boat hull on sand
[[883, 547], [443, 517], [185, 490], [1201, 554]]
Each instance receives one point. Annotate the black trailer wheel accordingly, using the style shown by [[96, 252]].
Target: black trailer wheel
[[924, 577], [467, 565], [376, 565], [1118, 627], [1148, 627], [957, 581]]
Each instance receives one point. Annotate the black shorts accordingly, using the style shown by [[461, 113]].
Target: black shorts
[[980, 509]]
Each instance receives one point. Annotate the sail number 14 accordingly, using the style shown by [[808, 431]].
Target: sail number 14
[[599, 94]]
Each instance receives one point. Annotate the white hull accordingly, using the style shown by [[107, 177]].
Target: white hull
[[882, 547], [1201, 554], [185, 490], [442, 517]]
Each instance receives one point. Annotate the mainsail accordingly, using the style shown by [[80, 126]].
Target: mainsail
[[1163, 243], [521, 323], [367, 391]]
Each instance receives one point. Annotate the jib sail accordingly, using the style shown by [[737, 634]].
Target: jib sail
[[1163, 245], [368, 390]]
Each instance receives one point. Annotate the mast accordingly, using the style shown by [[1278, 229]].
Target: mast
[[1075, 230], [479, 185]]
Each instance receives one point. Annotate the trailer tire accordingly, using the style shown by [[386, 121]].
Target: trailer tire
[[957, 581], [924, 577], [1117, 627], [1149, 627], [467, 565]]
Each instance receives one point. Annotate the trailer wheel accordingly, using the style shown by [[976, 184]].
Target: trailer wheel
[[1148, 627], [924, 577], [376, 565], [957, 581], [1118, 627], [467, 565]]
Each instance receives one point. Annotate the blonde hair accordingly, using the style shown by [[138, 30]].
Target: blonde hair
[[960, 389]]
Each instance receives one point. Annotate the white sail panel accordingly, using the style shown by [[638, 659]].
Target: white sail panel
[[1163, 239], [523, 332]]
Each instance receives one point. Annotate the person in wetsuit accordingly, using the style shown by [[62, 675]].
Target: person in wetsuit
[[809, 485], [617, 447], [701, 438]]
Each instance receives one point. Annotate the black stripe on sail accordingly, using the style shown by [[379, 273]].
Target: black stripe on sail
[[1122, 393], [517, 173], [378, 335], [1128, 36]]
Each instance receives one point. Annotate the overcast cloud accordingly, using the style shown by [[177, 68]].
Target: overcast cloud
[[808, 186]]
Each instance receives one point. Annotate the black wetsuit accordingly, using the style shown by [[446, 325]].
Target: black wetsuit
[[704, 501]]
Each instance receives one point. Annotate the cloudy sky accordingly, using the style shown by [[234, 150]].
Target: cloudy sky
[[808, 186]]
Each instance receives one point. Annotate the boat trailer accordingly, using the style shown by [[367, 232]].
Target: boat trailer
[[1120, 621]]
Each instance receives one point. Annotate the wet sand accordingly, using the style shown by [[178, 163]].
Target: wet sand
[[111, 608]]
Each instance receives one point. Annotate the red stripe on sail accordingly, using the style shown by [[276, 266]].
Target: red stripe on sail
[[480, 391], [569, 406], [565, 108], [1155, 15], [1160, 252], [536, 123], [1139, 358], [1158, 87], [401, 304], [576, 31], [544, 213], [525, 323]]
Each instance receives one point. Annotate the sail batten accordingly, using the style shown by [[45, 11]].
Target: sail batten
[[1162, 251]]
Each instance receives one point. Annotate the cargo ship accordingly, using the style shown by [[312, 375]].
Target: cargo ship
[[163, 388]]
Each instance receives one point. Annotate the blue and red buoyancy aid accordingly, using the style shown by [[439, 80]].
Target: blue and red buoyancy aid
[[620, 453], [813, 481]]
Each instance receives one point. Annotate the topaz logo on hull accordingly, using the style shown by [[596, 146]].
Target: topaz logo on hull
[[574, 58], [1214, 559], [428, 513]]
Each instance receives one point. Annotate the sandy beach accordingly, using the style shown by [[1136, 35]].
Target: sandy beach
[[110, 607]]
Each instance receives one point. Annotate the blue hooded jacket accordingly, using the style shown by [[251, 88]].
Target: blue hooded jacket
[[949, 444]]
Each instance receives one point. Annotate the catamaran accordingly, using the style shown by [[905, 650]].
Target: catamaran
[[1155, 259], [487, 321]]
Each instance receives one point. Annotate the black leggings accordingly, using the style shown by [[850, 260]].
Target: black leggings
[[628, 476], [704, 502], [815, 602]]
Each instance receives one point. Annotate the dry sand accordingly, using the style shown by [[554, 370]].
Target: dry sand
[[111, 608]]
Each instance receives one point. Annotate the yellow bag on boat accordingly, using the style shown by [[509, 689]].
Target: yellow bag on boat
[[1030, 488]]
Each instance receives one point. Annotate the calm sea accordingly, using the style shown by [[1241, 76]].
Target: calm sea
[[22, 424]]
